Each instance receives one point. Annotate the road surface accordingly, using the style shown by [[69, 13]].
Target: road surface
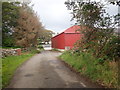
[[44, 70], [47, 47]]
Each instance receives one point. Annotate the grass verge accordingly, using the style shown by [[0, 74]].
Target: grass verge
[[54, 49], [10, 64], [105, 74]]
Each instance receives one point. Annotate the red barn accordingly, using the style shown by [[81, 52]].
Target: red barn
[[66, 39]]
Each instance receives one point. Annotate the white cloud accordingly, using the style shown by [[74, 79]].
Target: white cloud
[[112, 9], [55, 16]]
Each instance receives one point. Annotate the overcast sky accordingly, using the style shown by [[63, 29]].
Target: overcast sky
[[55, 16]]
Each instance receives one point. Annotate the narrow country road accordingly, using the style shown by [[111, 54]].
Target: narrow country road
[[44, 70]]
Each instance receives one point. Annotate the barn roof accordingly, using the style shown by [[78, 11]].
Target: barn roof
[[72, 29]]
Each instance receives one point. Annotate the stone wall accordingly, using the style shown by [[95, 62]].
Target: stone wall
[[10, 52]]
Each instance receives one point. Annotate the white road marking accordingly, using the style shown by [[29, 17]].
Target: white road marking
[[83, 84]]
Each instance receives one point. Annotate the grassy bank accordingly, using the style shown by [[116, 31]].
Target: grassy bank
[[10, 64], [103, 73]]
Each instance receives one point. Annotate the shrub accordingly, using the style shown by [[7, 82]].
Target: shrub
[[40, 46]]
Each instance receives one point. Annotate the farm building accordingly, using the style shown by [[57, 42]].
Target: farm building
[[66, 39]]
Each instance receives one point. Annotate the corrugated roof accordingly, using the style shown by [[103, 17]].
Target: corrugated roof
[[72, 29]]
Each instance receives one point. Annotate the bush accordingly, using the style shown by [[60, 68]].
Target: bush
[[113, 48], [35, 51], [40, 46]]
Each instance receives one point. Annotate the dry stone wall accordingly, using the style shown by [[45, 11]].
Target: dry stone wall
[[10, 52]]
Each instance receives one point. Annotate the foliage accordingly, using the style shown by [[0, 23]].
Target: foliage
[[34, 51], [105, 73], [97, 27], [112, 48], [114, 2], [40, 46], [21, 25], [45, 35], [9, 20], [7, 40], [85, 13], [27, 31], [97, 53], [10, 64]]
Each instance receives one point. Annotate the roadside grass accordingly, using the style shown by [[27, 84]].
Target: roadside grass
[[54, 49], [10, 64], [37, 51], [105, 74]]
